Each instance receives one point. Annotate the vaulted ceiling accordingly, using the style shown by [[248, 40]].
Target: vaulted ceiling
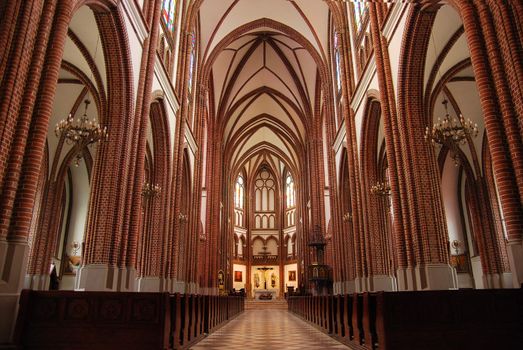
[[264, 59]]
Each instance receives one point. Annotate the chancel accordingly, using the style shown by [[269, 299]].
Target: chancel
[[243, 174]]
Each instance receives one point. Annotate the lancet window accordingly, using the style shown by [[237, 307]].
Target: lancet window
[[239, 201], [169, 14]]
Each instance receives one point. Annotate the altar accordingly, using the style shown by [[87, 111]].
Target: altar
[[265, 294]]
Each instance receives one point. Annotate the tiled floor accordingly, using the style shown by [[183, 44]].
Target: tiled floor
[[268, 330]]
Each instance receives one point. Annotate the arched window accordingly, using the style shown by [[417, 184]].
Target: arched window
[[290, 192], [169, 14], [360, 8], [265, 199], [239, 193], [337, 63]]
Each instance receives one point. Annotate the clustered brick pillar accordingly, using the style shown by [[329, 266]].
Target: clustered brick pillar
[[214, 208], [195, 230], [423, 239], [133, 209], [29, 73], [109, 245], [376, 206], [182, 271], [155, 254], [493, 31], [354, 258]]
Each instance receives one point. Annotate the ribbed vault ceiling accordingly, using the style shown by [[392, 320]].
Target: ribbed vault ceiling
[[264, 81]]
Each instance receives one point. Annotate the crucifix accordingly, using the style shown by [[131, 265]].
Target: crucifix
[[264, 269]]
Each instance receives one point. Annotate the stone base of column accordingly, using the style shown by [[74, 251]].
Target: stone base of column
[[101, 277], [465, 280], [383, 283], [177, 287], [406, 279], [37, 282], [515, 259], [361, 284], [98, 277], [498, 280], [337, 288], [350, 287], [192, 288], [436, 277], [127, 280], [13, 265], [150, 284], [477, 272]]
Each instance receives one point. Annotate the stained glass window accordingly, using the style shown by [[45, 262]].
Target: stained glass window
[[169, 14], [191, 63], [337, 61], [360, 7], [239, 192], [289, 192]]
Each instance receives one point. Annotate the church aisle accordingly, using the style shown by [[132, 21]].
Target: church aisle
[[268, 329]]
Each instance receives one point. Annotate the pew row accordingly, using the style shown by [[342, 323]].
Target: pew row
[[109, 320], [463, 319]]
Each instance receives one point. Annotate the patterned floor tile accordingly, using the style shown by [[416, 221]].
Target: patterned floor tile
[[268, 330]]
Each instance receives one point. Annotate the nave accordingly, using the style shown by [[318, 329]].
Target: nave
[[259, 329], [194, 155]]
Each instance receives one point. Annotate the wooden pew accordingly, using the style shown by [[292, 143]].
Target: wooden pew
[[339, 315], [369, 320], [93, 320], [357, 319], [347, 318], [115, 320], [465, 319], [176, 321]]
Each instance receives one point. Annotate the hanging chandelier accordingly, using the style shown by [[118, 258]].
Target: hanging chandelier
[[451, 132], [81, 132], [151, 190], [381, 189]]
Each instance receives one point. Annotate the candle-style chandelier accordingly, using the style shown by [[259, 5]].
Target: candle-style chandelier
[[81, 132], [381, 189], [451, 132], [150, 190]]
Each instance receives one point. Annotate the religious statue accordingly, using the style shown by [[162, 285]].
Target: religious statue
[[273, 280], [221, 281], [257, 280]]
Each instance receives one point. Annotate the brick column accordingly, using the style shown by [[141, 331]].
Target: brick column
[[393, 151], [107, 229], [426, 233], [374, 205], [135, 181], [355, 252], [195, 210]]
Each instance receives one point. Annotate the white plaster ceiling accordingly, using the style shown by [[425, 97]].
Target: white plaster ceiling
[[69, 89], [84, 26]]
